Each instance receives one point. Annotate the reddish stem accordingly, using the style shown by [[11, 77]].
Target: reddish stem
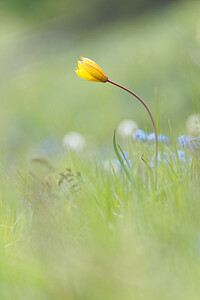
[[150, 114]]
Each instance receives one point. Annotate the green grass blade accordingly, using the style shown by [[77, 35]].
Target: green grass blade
[[121, 160]]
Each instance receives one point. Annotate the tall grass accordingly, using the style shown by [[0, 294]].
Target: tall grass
[[98, 235]]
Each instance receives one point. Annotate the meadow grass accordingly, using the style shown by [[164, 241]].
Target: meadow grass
[[69, 228], [97, 235]]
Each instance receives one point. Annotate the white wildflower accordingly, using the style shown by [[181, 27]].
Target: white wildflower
[[110, 166], [127, 128], [193, 125], [74, 141]]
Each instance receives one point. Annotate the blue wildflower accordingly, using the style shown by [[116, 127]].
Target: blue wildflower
[[151, 137], [161, 138], [188, 142], [182, 157], [194, 144], [140, 135], [183, 140], [162, 157], [165, 158]]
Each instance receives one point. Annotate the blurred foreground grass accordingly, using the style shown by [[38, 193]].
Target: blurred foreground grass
[[98, 236]]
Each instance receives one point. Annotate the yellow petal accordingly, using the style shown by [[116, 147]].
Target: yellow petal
[[95, 72], [80, 66], [85, 75], [91, 62]]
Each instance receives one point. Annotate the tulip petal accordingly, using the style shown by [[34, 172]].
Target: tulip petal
[[85, 75], [92, 63], [89, 70], [89, 61], [80, 66], [95, 72]]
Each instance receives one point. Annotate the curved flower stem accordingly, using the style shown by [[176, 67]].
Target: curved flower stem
[[152, 120]]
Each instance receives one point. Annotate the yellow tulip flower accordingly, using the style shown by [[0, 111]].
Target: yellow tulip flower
[[89, 70]]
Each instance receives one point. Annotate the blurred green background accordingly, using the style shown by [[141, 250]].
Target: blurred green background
[[151, 47], [100, 238]]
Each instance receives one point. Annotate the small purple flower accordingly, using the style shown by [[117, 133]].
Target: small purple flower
[[161, 138], [140, 135]]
